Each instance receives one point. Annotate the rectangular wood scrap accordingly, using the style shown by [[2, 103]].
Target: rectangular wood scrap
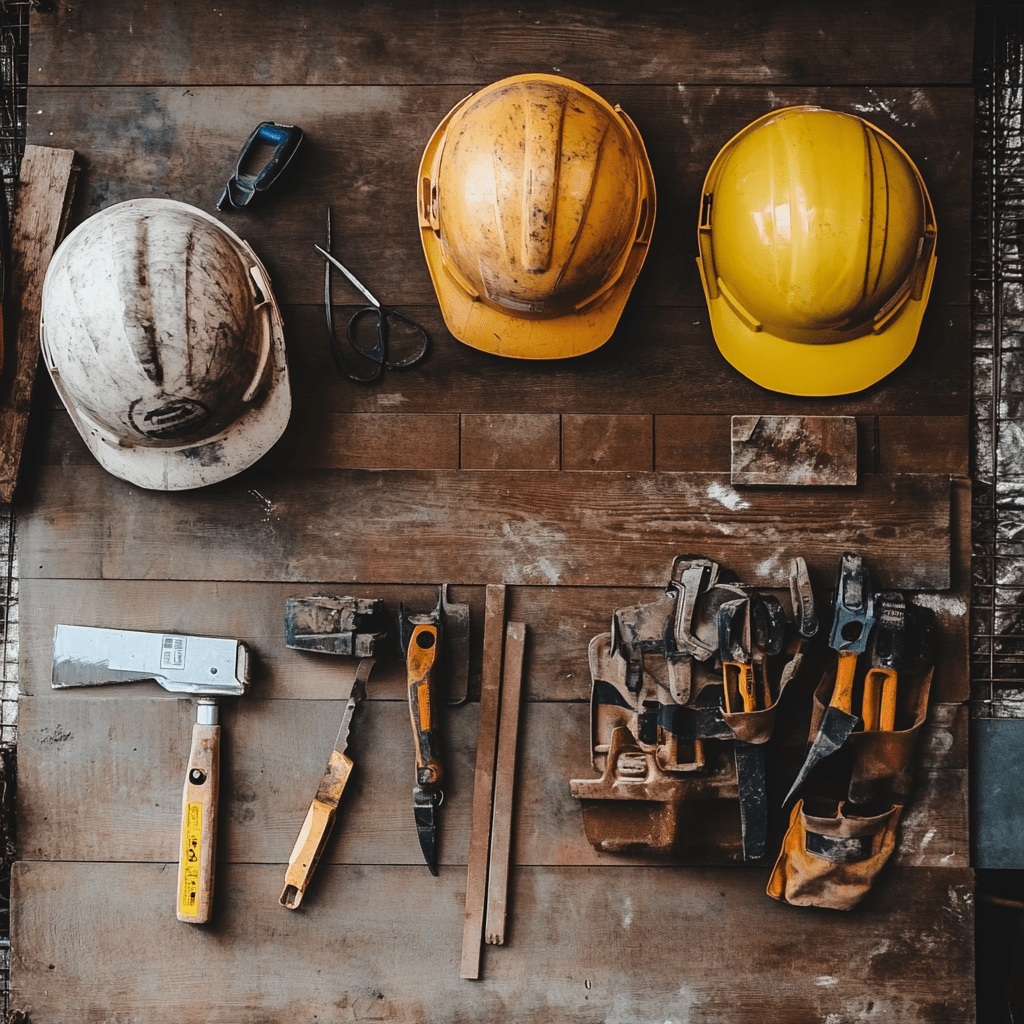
[[794, 451], [45, 188]]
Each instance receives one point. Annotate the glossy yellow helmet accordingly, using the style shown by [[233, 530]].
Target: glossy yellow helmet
[[817, 252], [536, 205]]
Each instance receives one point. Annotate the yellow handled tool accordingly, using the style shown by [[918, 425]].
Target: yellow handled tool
[[319, 820], [198, 854], [887, 643]]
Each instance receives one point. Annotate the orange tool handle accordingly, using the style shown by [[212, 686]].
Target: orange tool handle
[[738, 682], [879, 711], [198, 851], [842, 694], [420, 663]]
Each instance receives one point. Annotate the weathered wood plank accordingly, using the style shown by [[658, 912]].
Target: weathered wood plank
[[510, 441], [747, 958], [392, 440], [562, 622], [614, 442], [794, 451], [46, 184], [363, 150], [119, 765], [480, 42], [120, 761], [573, 529], [924, 444]]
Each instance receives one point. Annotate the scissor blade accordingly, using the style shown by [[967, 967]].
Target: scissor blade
[[424, 809], [348, 273]]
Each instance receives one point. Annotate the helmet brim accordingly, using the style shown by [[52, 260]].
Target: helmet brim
[[816, 370]]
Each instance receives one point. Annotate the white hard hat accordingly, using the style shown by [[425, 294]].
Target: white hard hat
[[165, 344]]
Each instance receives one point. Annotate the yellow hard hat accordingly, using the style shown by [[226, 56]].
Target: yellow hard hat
[[817, 252], [536, 205]]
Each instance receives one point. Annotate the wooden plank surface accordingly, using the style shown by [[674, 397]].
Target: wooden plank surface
[[363, 150], [47, 179], [571, 529], [120, 761], [562, 622], [478, 43], [740, 956], [573, 482]]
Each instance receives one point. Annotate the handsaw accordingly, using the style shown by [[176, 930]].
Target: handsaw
[[319, 821]]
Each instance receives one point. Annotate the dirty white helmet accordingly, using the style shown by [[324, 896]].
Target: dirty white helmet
[[165, 344]]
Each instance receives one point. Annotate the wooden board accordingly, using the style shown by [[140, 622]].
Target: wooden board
[[364, 144], [121, 761], [794, 451], [738, 955], [150, 44], [46, 184], [563, 621], [569, 529], [573, 482]]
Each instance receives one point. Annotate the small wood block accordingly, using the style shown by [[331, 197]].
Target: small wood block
[[510, 441], [45, 187], [794, 451], [622, 443]]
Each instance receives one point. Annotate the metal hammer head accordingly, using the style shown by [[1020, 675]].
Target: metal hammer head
[[335, 625], [854, 606], [199, 665]]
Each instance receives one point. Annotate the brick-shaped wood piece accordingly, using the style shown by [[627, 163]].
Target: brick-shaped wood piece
[[794, 451]]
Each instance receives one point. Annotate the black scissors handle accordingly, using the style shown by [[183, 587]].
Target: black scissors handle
[[389, 320], [376, 367]]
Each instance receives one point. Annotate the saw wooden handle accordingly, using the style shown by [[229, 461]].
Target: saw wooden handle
[[316, 830], [198, 851], [842, 694]]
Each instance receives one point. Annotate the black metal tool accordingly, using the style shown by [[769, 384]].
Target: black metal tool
[[887, 645], [379, 337], [851, 627], [741, 693], [263, 159]]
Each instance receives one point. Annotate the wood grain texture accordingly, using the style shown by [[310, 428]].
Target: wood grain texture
[[335, 958], [510, 441], [87, 760], [47, 180], [519, 528], [364, 142], [562, 621], [364, 495], [794, 451], [481, 42], [624, 443], [483, 780]]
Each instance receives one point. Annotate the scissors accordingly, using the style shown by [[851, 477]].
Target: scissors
[[406, 335]]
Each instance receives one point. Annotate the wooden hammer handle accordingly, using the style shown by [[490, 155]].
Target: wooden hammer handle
[[198, 851]]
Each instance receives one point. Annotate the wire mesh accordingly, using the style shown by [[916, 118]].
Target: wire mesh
[[997, 599]]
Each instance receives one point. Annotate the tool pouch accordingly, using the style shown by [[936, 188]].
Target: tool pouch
[[834, 849], [668, 754], [831, 860]]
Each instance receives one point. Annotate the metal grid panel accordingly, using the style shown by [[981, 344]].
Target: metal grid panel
[[997, 615]]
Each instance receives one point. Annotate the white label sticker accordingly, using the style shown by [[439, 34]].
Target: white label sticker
[[172, 652]]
